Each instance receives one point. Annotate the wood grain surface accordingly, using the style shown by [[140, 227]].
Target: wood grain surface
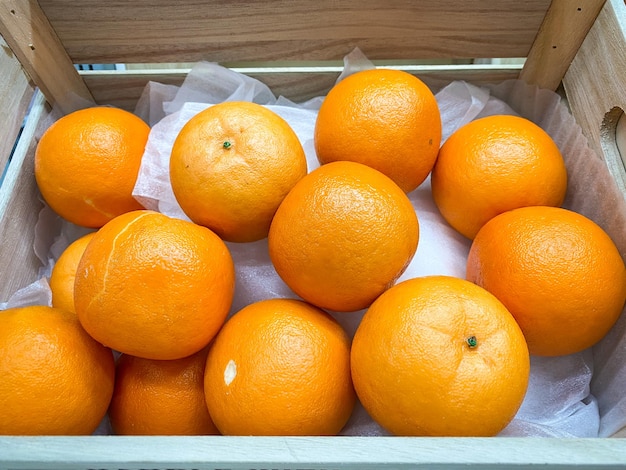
[[594, 85], [28, 33], [116, 31], [20, 204], [562, 32], [122, 89], [15, 95]]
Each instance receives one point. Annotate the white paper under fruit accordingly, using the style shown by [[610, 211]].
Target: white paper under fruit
[[581, 395]]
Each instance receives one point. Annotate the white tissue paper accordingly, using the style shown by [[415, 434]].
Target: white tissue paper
[[581, 395]]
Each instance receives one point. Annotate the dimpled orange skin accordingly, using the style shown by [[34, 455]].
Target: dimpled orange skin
[[231, 166], [63, 273], [280, 367], [154, 397], [153, 286], [56, 379], [87, 162], [343, 235], [495, 164], [416, 372], [558, 273], [386, 119]]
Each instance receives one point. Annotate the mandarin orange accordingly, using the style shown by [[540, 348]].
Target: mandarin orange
[[153, 286], [56, 379], [558, 272], [495, 164], [343, 235], [63, 273], [153, 397], [440, 356], [280, 367], [231, 166], [383, 118], [87, 162]]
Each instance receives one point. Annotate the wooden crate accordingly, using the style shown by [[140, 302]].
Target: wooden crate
[[293, 46]]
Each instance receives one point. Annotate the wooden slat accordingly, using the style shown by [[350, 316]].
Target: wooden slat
[[19, 209], [122, 89], [562, 32], [348, 453], [620, 137], [31, 38], [596, 95], [15, 95], [119, 31]]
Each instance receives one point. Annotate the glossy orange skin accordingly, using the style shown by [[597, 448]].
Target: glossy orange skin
[[153, 397], [87, 162], [63, 273], [56, 379], [495, 164], [558, 272], [383, 118], [231, 166], [343, 235], [153, 286], [280, 367], [440, 356]]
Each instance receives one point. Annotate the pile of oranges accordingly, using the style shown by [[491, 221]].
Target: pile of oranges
[[139, 327]]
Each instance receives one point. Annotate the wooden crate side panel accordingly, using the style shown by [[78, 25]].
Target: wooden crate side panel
[[123, 89], [15, 95], [323, 453], [19, 209], [50, 35], [594, 88], [35, 44], [118, 31], [562, 32]]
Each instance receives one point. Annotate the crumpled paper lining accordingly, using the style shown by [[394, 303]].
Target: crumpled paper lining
[[581, 395]]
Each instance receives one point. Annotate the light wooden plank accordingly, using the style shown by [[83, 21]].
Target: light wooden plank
[[595, 94], [562, 32], [19, 208], [620, 137], [94, 31], [122, 89], [239, 453], [31, 38], [15, 95]]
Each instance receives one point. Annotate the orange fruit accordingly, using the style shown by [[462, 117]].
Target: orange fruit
[[558, 273], [495, 164], [279, 367], [154, 286], [64, 273], [386, 119], [231, 165], [343, 235], [56, 379], [440, 356], [153, 397], [87, 162]]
